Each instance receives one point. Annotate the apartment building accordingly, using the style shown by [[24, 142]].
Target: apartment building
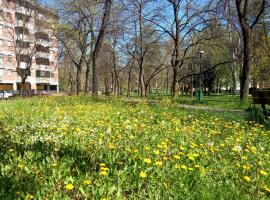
[[26, 37]]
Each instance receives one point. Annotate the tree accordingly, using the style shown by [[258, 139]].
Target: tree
[[74, 38], [249, 15], [98, 45], [25, 44]]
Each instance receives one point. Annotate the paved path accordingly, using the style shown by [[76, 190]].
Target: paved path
[[207, 108], [187, 106]]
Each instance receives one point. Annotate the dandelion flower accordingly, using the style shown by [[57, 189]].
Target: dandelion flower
[[191, 158], [86, 182], [103, 173], [69, 186], [247, 178], [54, 164], [104, 169], [177, 157], [143, 174], [264, 173], [156, 152], [184, 167], [148, 160], [158, 163], [147, 148]]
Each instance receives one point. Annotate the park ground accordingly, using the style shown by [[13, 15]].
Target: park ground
[[115, 148]]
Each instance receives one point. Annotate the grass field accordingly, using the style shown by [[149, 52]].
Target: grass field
[[89, 148]]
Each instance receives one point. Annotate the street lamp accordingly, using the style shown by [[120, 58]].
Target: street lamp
[[200, 91]]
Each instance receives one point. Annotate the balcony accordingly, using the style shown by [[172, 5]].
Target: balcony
[[42, 61], [27, 25], [23, 10], [22, 30], [22, 44], [44, 43], [42, 36], [41, 48], [42, 55]]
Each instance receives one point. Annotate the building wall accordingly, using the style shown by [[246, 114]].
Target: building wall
[[10, 22]]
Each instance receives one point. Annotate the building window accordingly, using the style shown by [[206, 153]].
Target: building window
[[9, 18], [9, 43], [1, 14], [43, 74], [10, 63], [10, 58]]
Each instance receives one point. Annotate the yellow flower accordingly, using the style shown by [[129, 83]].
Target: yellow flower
[[264, 173], [102, 165], [245, 167], [69, 186], [182, 148], [247, 178], [191, 158], [148, 160], [267, 189], [111, 146], [177, 166], [143, 174], [244, 158], [86, 182], [156, 152], [158, 163], [54, 165], [103, 173], [195, 155], [177, 157], [147, 148], [184, 167], [104, 169]]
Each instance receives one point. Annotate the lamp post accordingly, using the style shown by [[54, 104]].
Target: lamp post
[[200, 91]]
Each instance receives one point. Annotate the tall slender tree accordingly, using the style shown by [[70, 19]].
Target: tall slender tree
[[249, 16], [98, 45]]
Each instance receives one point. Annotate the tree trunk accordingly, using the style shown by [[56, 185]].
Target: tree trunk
[[78, 80], [23, 85], [141, 67], [246, 67], [86, 78], [97, 49], [175, 83], [234, 86]]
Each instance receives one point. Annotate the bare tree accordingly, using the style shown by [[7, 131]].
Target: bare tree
[[74, 38], [24, 43]]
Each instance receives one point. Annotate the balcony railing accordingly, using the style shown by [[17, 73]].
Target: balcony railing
[[23, 10], [42, 55]]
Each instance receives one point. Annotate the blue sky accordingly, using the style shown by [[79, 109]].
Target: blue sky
[[47, 2]]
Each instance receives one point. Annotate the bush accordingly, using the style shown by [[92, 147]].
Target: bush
[[256, 114]]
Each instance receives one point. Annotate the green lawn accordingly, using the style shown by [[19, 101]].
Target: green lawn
[[107, 148]]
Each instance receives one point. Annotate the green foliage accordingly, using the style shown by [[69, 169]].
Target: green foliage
[[256, 114]]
